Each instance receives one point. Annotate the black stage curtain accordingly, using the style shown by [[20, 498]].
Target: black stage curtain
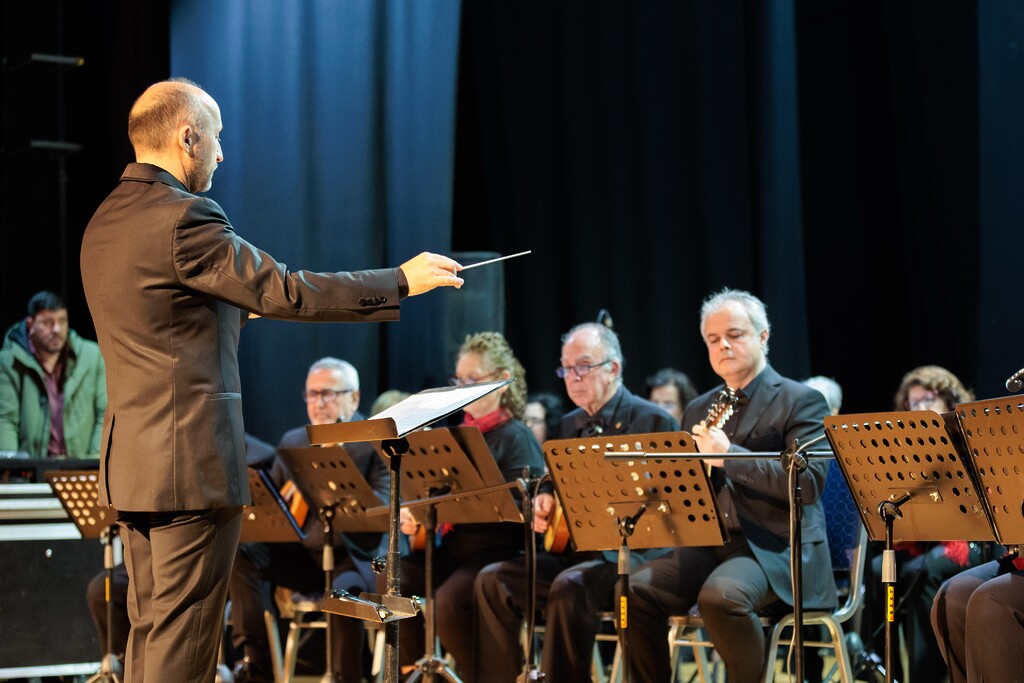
[[826, 156], [858, 165]]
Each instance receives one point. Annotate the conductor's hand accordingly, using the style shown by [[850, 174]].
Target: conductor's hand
[[543, 506], [408, 524], [710, 440], [426, 271]]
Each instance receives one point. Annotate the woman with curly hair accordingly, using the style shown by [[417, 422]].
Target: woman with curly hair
[[922, 567], [931, 387], [463, 549]]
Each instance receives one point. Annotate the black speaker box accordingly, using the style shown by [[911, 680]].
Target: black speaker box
[[44, 617]]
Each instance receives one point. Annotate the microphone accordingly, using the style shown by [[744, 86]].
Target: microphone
[[605, 318], [1015, 381]]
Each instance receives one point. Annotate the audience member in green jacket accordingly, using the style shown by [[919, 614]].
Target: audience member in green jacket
[[53, 388]]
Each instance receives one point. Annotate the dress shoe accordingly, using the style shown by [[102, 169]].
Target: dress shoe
[[250, 670]]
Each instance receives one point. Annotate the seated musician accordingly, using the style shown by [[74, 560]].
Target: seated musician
[[990, 598], [573, 587], [331, 395], [463, 549], [731, 583]]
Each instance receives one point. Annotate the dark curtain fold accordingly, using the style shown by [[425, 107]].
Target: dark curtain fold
[[648, 153], [338, 138]]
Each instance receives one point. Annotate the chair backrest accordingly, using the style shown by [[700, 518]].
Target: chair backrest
[[847, 539]]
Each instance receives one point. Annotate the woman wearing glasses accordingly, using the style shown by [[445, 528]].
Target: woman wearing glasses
[[923, 567], [462, 550]]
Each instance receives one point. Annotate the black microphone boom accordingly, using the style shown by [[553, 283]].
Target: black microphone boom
[[1016, 381]]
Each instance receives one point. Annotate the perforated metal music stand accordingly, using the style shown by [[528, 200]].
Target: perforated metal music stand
[[612, 504], [925, 476], [78, 492], [885, 456], [456, 460], [994, 433], [682, 509]]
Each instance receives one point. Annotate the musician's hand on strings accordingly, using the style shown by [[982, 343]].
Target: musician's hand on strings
[[543, 507], [407, 523], [710, 440], [426, 271]]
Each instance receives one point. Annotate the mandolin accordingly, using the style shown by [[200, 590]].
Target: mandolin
[[556, 537], [721, 408]]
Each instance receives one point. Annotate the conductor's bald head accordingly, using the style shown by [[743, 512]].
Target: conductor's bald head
[[175, 124]]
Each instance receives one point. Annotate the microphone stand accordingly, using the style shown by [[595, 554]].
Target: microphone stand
[[889, 511], [627, 525], [794, 462]]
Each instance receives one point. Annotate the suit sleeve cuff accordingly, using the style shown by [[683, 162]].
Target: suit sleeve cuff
[[403, 284]]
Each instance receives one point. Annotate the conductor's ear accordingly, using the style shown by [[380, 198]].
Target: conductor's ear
[[186, 139]]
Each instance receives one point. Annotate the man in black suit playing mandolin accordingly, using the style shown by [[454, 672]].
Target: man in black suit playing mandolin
[[730, 583], [574, 586]]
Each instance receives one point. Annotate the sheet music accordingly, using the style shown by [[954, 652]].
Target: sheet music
[[431, 405]]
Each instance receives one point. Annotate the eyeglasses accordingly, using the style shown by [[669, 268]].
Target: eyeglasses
[[466, 381], [581, 369], [328, 395], [925, 402]]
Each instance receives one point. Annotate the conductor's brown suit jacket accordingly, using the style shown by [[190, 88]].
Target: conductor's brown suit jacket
[[169, 284]]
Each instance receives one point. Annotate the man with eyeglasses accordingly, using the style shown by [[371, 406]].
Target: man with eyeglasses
[[574, 586], [331, 395]]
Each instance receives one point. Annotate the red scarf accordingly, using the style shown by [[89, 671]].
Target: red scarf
[[486, 423]]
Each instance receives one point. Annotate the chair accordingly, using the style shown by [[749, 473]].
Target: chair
[[597, 665], [847, 539], [303, 614]]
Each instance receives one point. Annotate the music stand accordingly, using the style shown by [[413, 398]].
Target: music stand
[[925, 476], [330, 481], [267, 519], [78, 491], [658, 503], [391, 428], [443, 468], [994, 433]]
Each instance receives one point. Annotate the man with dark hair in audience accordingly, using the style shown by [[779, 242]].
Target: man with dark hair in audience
[[53, 390]]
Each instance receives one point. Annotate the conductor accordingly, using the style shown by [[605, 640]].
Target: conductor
[[169, 283]]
